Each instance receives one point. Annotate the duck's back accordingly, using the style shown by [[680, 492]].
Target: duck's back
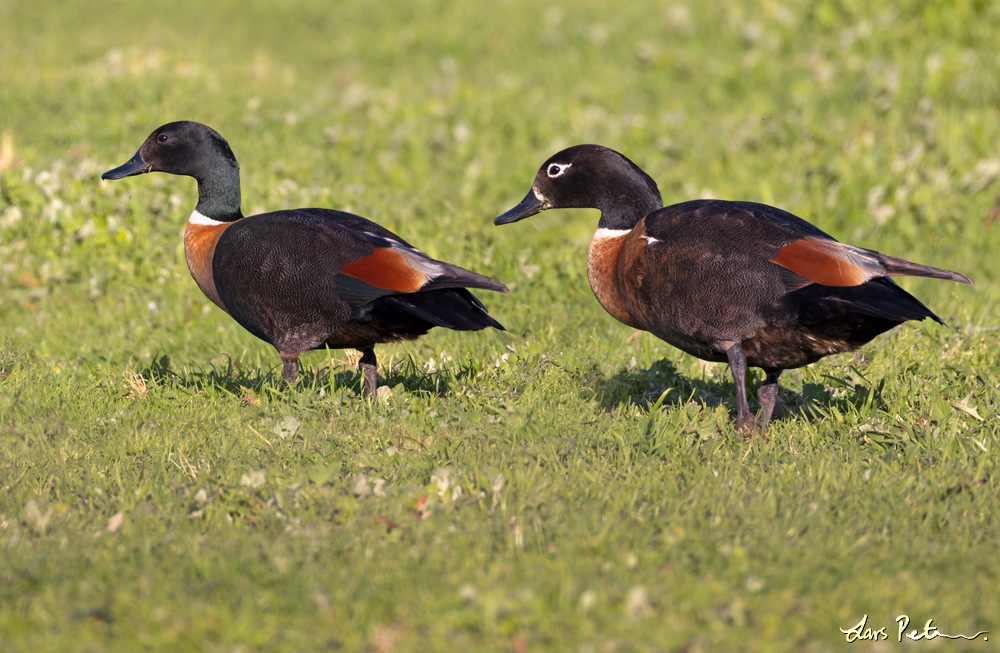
[[319, 276], [277, 271], [697, 273], [702, 274]]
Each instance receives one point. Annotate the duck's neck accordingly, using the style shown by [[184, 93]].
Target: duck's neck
[[625, 213], [627, 203], [219, 194]]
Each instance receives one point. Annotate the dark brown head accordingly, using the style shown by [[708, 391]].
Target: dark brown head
[[590, 177]]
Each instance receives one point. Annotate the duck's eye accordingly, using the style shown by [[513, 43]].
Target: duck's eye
[[557, 169], [163, 138]]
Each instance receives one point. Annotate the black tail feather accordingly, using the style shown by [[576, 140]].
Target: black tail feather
[[458, 277], [880, 298], [452, 308], [902, 267], [856, 314]]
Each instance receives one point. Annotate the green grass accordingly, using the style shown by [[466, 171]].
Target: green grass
[[565, 486]]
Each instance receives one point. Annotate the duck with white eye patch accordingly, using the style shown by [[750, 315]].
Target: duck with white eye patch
[[311, 278], [737, 282]]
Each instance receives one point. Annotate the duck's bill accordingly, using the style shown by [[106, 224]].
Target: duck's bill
[[135, 166], [528, 207]]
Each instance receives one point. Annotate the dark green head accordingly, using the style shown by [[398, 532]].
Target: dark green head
[[196, 150]]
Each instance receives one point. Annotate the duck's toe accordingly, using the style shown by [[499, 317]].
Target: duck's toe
[[747, 426]]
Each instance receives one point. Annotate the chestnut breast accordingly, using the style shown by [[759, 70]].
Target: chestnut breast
[[603, 272], [200, 238]]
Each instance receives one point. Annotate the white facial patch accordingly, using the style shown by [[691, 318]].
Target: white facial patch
[[557, 169], [650, 240], [204, 220], [538, 195]]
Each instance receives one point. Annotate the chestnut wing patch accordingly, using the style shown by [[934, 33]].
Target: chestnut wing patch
[[828, 262], [392, 268]]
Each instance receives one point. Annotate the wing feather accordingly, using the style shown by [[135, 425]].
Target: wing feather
[[828, 262]]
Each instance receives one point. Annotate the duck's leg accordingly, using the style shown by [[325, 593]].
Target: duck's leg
[[290, 369], [369, 366], [745, 422], [777, 409], [767, 395]]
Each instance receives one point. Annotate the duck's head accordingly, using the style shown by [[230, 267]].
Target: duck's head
[[589, 177], [180, 148]]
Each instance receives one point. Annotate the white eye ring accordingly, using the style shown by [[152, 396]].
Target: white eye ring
[[557, 169]]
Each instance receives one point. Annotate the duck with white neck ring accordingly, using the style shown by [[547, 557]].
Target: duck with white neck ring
[[303, 279], [736, 282]]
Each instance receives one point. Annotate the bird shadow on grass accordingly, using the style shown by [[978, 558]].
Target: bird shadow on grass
[[226, 374], [643, 388], [233, 377], [406, 372]]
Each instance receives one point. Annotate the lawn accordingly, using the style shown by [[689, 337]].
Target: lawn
[[567, 485]]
